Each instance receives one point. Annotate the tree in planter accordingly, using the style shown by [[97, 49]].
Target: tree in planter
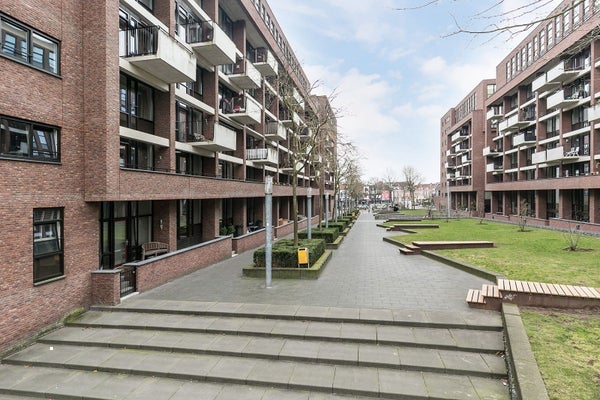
[[346, 170], [311, 122]]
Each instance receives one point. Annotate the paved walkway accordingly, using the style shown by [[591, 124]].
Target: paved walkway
[[364, 272]]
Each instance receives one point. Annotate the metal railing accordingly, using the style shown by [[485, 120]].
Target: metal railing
[[138, 41]]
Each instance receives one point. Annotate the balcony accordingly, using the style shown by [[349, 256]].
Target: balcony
[[245, 75], [523, 139], [210, 43], [514, 122], [459, 135], [541, 84], [493, 167], [293, 95], [562, 72], [153, 50], [489, 151], [243, 109], [554, 155], [262, 156], [461, 148], [265, 62], [224, 139], [465, 159], [275, 131], [305, 133], [494, 113], [189, 132], [560, 100], [538, 157], [594, 112], [290, 120]]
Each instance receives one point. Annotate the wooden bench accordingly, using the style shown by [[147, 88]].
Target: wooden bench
[[533, 294], [453, 244], [152, 249], [401, 227]]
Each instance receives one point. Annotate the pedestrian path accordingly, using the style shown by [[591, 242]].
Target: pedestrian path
[[368, 328], [364, 272]]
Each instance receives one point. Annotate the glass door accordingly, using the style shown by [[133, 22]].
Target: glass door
[[120, 242]]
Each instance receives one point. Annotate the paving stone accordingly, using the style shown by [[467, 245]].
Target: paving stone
[[490, 389], [363, 333], [338, 352], [226, 344], [190, 366], [424, 358], [449, 386], [404, 384], [290, 328], [395, 334], [153, 388], [118, 386], [312, 312], [303, 350], [330, 330], [271, 373], [356, 380], [369, 354], [197, 391], [234, 392], [313, 376], [232, 369]]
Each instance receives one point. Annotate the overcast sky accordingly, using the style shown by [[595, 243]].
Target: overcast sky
[[396, 72]]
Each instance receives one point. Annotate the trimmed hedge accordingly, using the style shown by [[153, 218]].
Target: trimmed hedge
[[340, 225], [329, 234], [285, 255]]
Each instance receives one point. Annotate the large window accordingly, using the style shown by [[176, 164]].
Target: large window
[[24, 44], [47, 244], [136, 155], [136, 104], [188, 124], [23, 139]]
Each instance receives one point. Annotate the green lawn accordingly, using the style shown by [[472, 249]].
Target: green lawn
[[566, 345], [534, 255]]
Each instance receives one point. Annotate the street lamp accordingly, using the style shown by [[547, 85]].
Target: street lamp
[[269, 229], [309, 211]]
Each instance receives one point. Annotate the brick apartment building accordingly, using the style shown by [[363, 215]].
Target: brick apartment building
[[130, 121], [541, 144]]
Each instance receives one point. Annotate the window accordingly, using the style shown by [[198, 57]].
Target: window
[[136, 155], [226, 23], [550, 32], [136, 104], [149, 4], [542, 41], [24, 44], [194, 88], [188, 126], [552, 127], [22, 139], [47, 244]]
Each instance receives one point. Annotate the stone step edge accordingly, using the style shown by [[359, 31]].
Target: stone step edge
[[288, 336], [234, 314], [326, 361], [220, 379]]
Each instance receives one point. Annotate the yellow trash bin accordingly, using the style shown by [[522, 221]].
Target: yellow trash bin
[[303, 256]]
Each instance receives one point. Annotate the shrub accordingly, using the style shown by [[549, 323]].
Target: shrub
[[329, 234], [285, 255]]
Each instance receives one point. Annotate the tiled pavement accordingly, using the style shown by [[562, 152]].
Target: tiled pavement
[[364, 272], [375, 324]]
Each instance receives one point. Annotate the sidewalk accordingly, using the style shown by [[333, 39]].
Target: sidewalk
[[364, 272]]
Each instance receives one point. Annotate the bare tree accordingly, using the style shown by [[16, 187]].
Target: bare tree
[[311, 121], [498, 21], [412, 179], [346, 168]]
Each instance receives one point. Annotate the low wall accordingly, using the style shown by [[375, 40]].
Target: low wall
[[288, 228], [159, 270], [553, 223], [249, 241], [106, 287]]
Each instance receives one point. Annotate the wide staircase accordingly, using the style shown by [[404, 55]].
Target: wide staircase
[[148, 349]]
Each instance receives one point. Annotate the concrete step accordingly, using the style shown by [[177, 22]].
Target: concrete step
[[176, 350], [325, 352]]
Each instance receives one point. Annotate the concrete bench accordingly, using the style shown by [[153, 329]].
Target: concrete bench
[[152, 249], [401, 227], [453, 244]]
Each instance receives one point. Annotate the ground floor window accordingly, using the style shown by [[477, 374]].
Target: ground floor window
[[124, 227], [189, 222], [48, 258]]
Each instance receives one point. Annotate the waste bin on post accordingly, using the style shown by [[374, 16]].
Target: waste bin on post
[[303, 257]]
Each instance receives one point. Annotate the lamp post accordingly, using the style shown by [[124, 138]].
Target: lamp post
[[447, 200], [326, 210], [269, 229], [309, 211]]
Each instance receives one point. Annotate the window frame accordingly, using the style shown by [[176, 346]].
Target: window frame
[[30, 38], [56, 226], [36, 143]]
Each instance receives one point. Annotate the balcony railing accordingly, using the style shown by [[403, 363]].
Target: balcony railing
[[490, 151], [494, 113], [541, 83], [523, 139], [493, 167], [209, 42], [275, 130], [153, 50], [243, 109], [563, 71], [262, 156], [266, 62], [560, 99], [461, 134], [245, 75], [594, 112], [224, 139]]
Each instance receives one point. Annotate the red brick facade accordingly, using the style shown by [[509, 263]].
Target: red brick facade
[[92, 182]]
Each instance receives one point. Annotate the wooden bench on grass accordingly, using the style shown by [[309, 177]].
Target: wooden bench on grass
[[533, 294], [152, 249]]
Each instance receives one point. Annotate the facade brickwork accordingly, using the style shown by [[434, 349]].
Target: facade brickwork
[[121, 176]]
